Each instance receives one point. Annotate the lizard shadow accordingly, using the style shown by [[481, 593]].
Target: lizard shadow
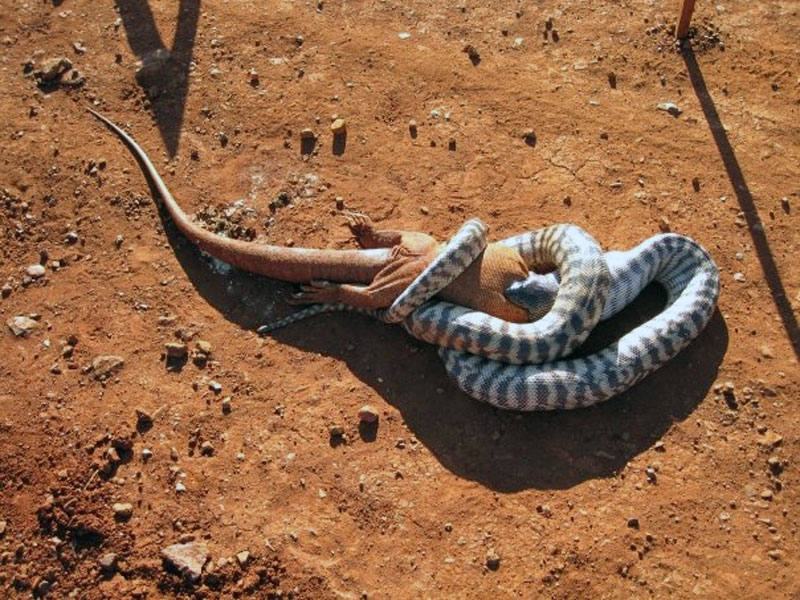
[[505, 451]]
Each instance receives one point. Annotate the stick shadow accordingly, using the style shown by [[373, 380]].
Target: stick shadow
[[745, 198], [164, 75]]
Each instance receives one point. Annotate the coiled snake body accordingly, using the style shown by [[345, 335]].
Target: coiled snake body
[[516, 366]]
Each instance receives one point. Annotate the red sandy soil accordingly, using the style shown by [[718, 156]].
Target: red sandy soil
[[410, 509]]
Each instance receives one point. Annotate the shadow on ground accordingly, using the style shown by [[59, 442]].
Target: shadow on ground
[[504, 451]]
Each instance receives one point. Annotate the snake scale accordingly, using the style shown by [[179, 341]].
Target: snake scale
[[517, 366]]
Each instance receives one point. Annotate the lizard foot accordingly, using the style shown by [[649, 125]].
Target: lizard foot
[[361, 226], [316, 292]]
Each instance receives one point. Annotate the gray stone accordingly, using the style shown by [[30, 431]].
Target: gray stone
[[108, 562], [36, 271], [188, 559], [22, 326], [106, 366]]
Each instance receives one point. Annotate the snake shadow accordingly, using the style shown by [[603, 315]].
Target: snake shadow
[[504, 451]]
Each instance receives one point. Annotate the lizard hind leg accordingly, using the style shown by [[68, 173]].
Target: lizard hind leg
[[367, 235]]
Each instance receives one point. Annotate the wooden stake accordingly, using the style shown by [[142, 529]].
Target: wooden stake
[[686, 18]]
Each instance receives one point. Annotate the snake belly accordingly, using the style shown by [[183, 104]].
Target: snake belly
[[691, 280]]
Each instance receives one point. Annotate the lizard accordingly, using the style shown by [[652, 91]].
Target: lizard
[[369, 278]]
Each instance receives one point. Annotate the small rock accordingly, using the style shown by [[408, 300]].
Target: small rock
[[776, 554], [207, 448], [651, 475], [118, 242], [336, 431], [696, 184], [122, 510], [738, 276], [529, 136], [767, 352], [367, 414], [766, 495], [775, 465], [633, 523], [173, 453], [307, 134], [412, 128], [104, 367], [473, 54], [671, 108], [254, 79], [108, 562], [243, 558], [338, 127], [52, 68], [226, 405], [492, 560], [176, 350], [188, 559], [451, 145], [180, 488], [612, 80], [36, 271], [22, 326], [6, 290], [143, 418], [203, 347], [663, 224], [215, 386], [78, 47], [147, 454], [770, 439], [785, 204]]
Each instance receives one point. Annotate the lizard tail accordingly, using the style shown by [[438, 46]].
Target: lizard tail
[[297, 265]]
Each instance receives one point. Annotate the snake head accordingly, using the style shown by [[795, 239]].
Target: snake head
[[535, 294]]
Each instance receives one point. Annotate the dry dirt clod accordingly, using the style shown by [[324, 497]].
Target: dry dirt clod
[[51, 69], [188, 559]]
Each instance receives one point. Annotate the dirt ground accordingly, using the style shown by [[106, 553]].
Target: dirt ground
[[681, 487]]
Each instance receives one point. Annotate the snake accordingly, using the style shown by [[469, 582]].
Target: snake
[[522, 366]]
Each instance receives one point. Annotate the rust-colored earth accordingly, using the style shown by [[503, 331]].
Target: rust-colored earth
[[682, 487]]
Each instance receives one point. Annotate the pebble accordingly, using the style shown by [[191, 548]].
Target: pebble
[[188, 559], [739, 276], [52, 68], [180, 488], [651, 475], [338, 127], [173, 453], [22, 326], [492, 559], [122, 510], [226, 405], [766, 495], [767, 352], [529, 136], [147, 454], [663, 224], [36, 271], [215, 386], [336, 431], [307, 134], [243, 558], [203, 347], [473, 54], [671, 108], [412, 127], [108, 562], [143, 418], [6, 290], [118, 241], [105, 366], [367, 414], [775, 464], [776, 554], [71, 238], [633, 523], [785, 204], [207, 448]]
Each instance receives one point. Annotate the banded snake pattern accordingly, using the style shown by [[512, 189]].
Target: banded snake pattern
[[522, 366]]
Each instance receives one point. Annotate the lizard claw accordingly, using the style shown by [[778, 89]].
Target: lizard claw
[[316, 292]]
